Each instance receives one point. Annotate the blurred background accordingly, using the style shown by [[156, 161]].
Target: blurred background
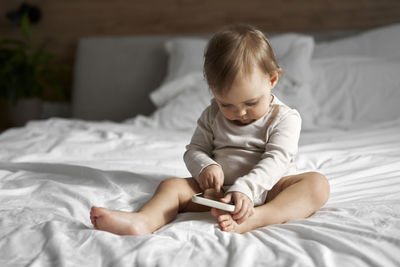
[[40, 37]]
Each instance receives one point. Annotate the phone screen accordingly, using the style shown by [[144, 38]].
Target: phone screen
[[210, 194]]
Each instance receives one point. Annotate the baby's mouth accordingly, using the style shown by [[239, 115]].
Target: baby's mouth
[[243, 122]]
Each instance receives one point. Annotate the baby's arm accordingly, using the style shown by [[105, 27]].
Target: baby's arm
[[198, 155], [280, 148]]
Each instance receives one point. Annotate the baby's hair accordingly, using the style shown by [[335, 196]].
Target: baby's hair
[[236, 50]]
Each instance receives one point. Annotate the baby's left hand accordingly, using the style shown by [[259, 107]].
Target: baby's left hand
[[243, 206]]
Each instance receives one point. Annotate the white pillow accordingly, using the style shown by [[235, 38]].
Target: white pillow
[[185, 59], [182, 111], [186, 55], [379, 42], [356, 91], [293, 52], [169, 90]]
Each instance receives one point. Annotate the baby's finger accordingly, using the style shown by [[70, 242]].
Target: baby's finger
[[241, 214], [217, 187], [238, 206], [201, 184], [248, 213], [210, 182], [227, 198], [206, 185]]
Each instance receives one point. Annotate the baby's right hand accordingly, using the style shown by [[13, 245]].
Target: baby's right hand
[[211, 176]]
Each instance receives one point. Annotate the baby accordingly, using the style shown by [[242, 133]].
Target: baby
[[243, 148]]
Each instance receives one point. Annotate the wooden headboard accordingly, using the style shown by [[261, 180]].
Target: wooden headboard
[[67, 21]]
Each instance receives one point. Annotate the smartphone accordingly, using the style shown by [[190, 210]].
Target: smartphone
[[201, 199]]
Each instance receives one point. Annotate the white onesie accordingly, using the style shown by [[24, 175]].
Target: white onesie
[[253, 157]]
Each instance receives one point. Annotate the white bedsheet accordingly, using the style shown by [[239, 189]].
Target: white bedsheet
[[53, 171]]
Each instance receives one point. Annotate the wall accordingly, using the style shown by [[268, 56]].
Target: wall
[[65, 21]]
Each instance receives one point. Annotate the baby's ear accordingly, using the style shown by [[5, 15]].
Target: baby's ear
[[274, 78]]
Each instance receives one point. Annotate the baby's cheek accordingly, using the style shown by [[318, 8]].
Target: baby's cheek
[[228, 115], [258, 113]]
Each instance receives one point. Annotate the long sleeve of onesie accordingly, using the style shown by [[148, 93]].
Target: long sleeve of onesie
[[199, 152], [280, 150]]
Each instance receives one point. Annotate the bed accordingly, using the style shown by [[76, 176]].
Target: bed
[[136, 101]]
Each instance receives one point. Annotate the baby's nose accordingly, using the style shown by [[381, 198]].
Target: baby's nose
[[242, 112]]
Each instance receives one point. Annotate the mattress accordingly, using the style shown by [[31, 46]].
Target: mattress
[[53, 171]]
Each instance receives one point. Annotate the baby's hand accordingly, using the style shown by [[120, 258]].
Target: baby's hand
[[243, 206], [211, 176]]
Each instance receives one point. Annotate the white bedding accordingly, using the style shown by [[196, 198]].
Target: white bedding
[[53, 171]]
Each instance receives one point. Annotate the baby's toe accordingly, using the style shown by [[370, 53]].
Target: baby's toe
[[216, 212], [224, 217], [225, 223], [226, 227], [98, 211]]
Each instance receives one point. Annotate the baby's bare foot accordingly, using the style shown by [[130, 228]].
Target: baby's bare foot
[[225, 220], [119, 222], [228, 224]]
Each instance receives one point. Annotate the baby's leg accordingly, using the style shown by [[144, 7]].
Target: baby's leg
[[172, 195], [293, 197]]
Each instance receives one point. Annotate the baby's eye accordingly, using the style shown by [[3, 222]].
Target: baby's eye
[[251, 103], [225, 105]]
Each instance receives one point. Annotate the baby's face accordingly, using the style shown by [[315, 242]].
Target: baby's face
[[248, 99]]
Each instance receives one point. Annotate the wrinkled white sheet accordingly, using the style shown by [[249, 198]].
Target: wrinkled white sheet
[[53, 171]]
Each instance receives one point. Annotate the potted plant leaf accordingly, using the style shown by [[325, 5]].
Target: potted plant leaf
[[26, 73]]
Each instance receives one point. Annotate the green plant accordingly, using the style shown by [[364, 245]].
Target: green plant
[[27, 71]]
